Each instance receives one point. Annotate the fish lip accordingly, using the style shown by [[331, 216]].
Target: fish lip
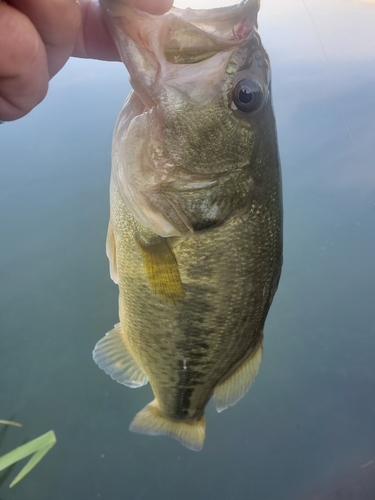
[[145, 38], [197, 17]]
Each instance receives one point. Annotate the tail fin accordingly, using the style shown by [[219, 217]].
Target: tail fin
[[150, 421]]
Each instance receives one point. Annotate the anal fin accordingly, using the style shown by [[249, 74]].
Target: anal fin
[[112, 356], [150, 421], [229, 392]]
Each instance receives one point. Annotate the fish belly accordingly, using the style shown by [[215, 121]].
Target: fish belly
[[188, 347]]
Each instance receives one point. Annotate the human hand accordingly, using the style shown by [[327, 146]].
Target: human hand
[[37, 37]]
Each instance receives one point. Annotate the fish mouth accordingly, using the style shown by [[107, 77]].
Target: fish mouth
[[180, 48], [231, 22]]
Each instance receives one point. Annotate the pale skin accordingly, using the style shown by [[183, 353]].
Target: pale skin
[[37, 37]]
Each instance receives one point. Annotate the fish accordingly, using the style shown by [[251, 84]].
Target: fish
[[195, 232]]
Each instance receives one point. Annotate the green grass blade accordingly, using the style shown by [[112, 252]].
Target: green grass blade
[[10, 422], [5, 474], [34, 460], [3, 433], [39, 446]]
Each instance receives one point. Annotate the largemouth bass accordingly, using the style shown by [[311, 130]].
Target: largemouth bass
[[194, 238]]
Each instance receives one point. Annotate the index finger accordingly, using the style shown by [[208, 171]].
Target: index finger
[[156, 7], [94, 40], [58, 23]]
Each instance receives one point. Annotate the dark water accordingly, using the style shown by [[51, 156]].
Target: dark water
[[306, 430]]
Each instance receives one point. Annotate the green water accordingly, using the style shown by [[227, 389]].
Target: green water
[[306, 430]]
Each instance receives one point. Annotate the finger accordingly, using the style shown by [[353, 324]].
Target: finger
[[58, 23], [23, 64], [94, 40], [156, 7]]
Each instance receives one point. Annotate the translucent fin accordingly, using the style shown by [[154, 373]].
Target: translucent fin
[[112, 356], [162, 270], [236, 386], [150, 421], [111, 253]]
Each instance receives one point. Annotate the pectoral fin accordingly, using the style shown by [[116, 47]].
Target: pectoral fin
[[112, 356], [150, 421], [236, 386], [162, 269], [111, 253]]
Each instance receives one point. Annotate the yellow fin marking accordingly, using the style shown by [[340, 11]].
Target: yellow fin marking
[[150, 421], [162, 270]]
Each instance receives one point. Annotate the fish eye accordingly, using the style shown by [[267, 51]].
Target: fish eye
[[247, 96]]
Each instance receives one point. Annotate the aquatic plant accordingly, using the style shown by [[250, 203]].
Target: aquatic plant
[[37, 447]]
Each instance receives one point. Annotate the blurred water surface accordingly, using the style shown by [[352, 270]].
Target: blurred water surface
[[306, 428]]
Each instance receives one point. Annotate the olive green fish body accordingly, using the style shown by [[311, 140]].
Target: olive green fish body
[[194, 239]]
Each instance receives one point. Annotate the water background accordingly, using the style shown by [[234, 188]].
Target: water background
[[306, 430]]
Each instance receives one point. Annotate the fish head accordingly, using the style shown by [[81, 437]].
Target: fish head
[[201, 80], [194, 68]]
